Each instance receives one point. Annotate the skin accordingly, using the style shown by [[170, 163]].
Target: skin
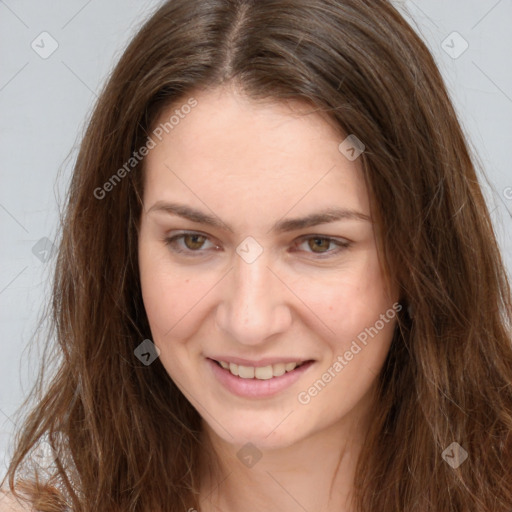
[[251, 164]]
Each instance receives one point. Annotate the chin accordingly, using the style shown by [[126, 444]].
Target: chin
[[272, 432]]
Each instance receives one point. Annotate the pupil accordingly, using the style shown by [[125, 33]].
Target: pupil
[[195, 244], [320, 241]]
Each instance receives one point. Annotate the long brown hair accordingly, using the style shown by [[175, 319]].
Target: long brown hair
[[124, 436]]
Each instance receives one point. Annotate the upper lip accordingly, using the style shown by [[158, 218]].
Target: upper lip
[[266, 361]]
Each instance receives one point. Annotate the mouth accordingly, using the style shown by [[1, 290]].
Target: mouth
[[258, 382], [267, 372]]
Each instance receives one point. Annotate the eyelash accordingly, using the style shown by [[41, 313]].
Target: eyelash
[[342, 244]]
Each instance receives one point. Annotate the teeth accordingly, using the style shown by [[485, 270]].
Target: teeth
[[260, 372], [278, 369], [290, 366], [263, 372], [245, 372]]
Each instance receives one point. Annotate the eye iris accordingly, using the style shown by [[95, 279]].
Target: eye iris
[[195, 244], [318, 242], [196, 241]]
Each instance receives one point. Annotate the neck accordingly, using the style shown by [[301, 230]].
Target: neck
[[314, 473]]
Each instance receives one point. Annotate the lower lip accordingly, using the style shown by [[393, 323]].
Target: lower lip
[[257, 388]]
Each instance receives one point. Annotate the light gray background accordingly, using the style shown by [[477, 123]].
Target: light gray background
[[44, 104]]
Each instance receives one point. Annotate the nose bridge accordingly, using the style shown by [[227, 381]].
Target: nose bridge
[[253, 307]]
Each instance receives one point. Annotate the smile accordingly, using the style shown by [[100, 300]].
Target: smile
[[258, 382], [259, 372]]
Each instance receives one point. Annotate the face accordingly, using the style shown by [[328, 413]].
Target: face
[[259, 269]]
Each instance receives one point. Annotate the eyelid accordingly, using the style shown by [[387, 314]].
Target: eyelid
[[336, 239], [342, 243], [173, 238]]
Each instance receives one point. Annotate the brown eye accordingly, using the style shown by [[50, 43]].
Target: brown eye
[[193, 241], [319, 243], [188, 243]]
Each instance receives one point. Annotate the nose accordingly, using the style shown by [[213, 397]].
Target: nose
[[254, 303]]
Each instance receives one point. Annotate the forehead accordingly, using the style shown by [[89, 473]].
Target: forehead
[[260, 157]]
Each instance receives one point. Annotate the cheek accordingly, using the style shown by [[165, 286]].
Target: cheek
[[168, 295], [168, 300], [346, 301], [355, 351], [172, 304]]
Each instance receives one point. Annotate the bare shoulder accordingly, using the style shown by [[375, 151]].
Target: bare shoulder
[[9, 503]]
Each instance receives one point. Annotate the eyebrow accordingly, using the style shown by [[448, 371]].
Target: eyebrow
[[324, 216]]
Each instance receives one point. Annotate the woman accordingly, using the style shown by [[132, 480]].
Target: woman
[[278, 284]]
